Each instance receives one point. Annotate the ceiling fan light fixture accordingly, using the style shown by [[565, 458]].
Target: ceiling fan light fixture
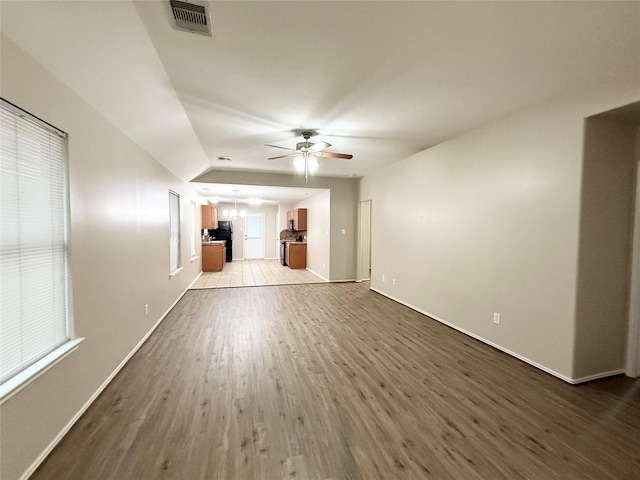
[[312, 164], [298, 163], [305, 155]]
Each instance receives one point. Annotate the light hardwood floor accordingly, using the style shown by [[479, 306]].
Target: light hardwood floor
[[246, 273], [333, 381]]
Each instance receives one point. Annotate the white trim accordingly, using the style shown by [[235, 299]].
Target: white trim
[[317, 274], [100, 389], [16, 383], [363, 261], [176, 272], [597, 376], [539, 366]]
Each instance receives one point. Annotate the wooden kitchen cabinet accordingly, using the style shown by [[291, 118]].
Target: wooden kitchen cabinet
[[214, 257], [209, 217], [299, 216], [296, 255]]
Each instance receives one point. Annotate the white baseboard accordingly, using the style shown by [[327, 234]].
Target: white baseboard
[[597, 376], [100, 389], [539, 366], [317, 274]]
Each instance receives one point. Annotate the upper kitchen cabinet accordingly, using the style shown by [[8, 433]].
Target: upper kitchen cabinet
[[299, 217], [209, 217]]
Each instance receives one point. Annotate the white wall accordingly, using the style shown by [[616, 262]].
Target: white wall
[[318, 233], [119, 258], [489, 222], [606, 219]]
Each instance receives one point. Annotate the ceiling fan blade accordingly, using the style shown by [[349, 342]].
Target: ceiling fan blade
[[337, 155], [277, 146], [317, 147], [283, 156]]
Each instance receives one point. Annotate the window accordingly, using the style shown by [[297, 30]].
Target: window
[[35, 305], [194, 235], [174, 233]]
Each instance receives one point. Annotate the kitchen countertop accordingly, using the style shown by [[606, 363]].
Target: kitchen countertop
[[297, 243], [215, 242]]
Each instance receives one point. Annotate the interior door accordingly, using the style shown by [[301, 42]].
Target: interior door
[[254, 235]]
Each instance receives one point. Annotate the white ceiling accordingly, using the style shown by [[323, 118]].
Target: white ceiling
[[379, 80]]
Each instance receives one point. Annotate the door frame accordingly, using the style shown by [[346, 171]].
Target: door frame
[[633, 332], [363, 262]]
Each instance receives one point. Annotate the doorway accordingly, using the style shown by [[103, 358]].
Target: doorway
[[613, 139], [364, 241], [254, 235]]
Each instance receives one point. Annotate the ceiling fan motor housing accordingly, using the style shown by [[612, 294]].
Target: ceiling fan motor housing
[[304, 145]]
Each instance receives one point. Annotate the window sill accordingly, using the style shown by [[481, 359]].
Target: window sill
[[175, 272], [16, 383]]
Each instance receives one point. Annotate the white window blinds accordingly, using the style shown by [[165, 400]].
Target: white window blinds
[[194, 234], [174, 232], [34, 300]]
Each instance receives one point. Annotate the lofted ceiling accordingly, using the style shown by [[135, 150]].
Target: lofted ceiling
[[379, 80]]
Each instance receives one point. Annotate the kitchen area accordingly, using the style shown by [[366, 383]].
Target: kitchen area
[[218, 237], [217, 240], [287, 266], [298, 218], [293, 240]]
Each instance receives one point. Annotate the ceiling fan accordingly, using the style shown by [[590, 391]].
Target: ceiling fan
[[307, 153]]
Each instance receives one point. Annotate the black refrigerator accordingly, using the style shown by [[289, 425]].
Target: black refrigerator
[[224, 232]]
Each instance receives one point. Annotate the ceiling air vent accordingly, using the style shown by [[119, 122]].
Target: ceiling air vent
[[191, 17]]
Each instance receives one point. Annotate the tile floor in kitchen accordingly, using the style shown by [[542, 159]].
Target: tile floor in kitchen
[[244, 273]]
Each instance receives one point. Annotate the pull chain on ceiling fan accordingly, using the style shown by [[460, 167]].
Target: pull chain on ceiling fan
[[307, 154]]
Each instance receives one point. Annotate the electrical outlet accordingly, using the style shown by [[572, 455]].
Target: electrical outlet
[[393, 281], [343, 231], [383, 278], [146, 309], [497, 318]]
